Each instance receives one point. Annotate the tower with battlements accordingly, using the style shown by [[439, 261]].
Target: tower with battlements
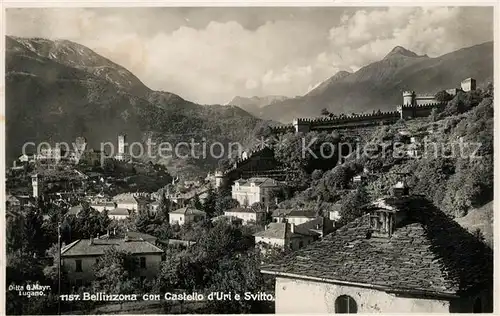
[[37, 184]]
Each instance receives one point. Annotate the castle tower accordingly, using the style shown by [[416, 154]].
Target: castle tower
[[37, 184], [80, 143], [219, 179], [408, 97], [468, 84], [121, 144]]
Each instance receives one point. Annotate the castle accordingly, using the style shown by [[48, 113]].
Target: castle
[[414, 105]]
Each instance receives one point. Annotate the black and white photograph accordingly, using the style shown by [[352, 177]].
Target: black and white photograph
[[248, 158]]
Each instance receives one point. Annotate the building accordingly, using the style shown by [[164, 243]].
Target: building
[[468, 84], [227, 219], [80, 257], [100, 206], [250, 191], [321, 225], [247, 214], [12, 201], [119, 213], [37, 184], [131, 202], [186, 215], [294, 216], [404, 255], [284, 235]]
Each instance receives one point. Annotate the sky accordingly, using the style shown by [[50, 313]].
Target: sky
[[209, 55]]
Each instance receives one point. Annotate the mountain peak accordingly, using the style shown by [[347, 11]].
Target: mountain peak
[[400, 51]]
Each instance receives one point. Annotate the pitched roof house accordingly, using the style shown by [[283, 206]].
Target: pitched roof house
[[296, 216], [284, 235], [247, 214], [79, 257], [403, 255], [186, 215]]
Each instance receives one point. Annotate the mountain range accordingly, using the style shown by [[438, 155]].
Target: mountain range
[[379, 85], [59, 90], [254, 104]]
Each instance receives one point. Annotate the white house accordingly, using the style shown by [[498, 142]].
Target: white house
[[284, 235], [130, 202], [80, 257], [103, 205], [294, 216], [252, 190], [119, 213], [247, 214], [186, 215]]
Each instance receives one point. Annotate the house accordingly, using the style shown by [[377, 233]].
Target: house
[[100, 206], [186, 215], [404, 255], [295, 216], [119, 213], [284, 235], [154, 207], [131, 202], [79, 257], [334, 212], [321, 225], [12, 201], [247, 214], [227, 219], [250, 191], [75, 210]]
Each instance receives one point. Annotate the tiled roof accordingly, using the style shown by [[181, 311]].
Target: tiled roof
[[245, 210], [119, 211], [278, 230], [293, 213], [429, 253], [83, 247], [188, 210], [258, 181]]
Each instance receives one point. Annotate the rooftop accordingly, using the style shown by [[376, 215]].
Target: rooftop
[[119, 211], [278, 230], [84, 247], [294, 212], [188, 210], [258, 181], [430, 253], [246, 210]]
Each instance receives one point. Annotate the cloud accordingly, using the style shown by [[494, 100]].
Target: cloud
[[209, 55]]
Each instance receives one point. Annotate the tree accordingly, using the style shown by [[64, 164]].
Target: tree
[[443, 96], [196, 203], [114, 272], [33, 232], [350, 205], [210, 202]]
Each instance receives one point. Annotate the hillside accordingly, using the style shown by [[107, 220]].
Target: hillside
[[58, 90], [379, 85], [480, 218], [254, 104]]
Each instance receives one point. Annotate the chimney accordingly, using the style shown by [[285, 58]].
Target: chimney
[[292, 227], [91, 241]]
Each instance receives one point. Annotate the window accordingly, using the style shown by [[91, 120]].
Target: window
[[143, 263], [78, 265], [345, 304], [96, 260]]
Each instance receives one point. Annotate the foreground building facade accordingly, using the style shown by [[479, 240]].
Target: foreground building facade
[[403, 256]]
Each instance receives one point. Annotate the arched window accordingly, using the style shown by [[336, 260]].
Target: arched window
[[478, 306], [344, 304]]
